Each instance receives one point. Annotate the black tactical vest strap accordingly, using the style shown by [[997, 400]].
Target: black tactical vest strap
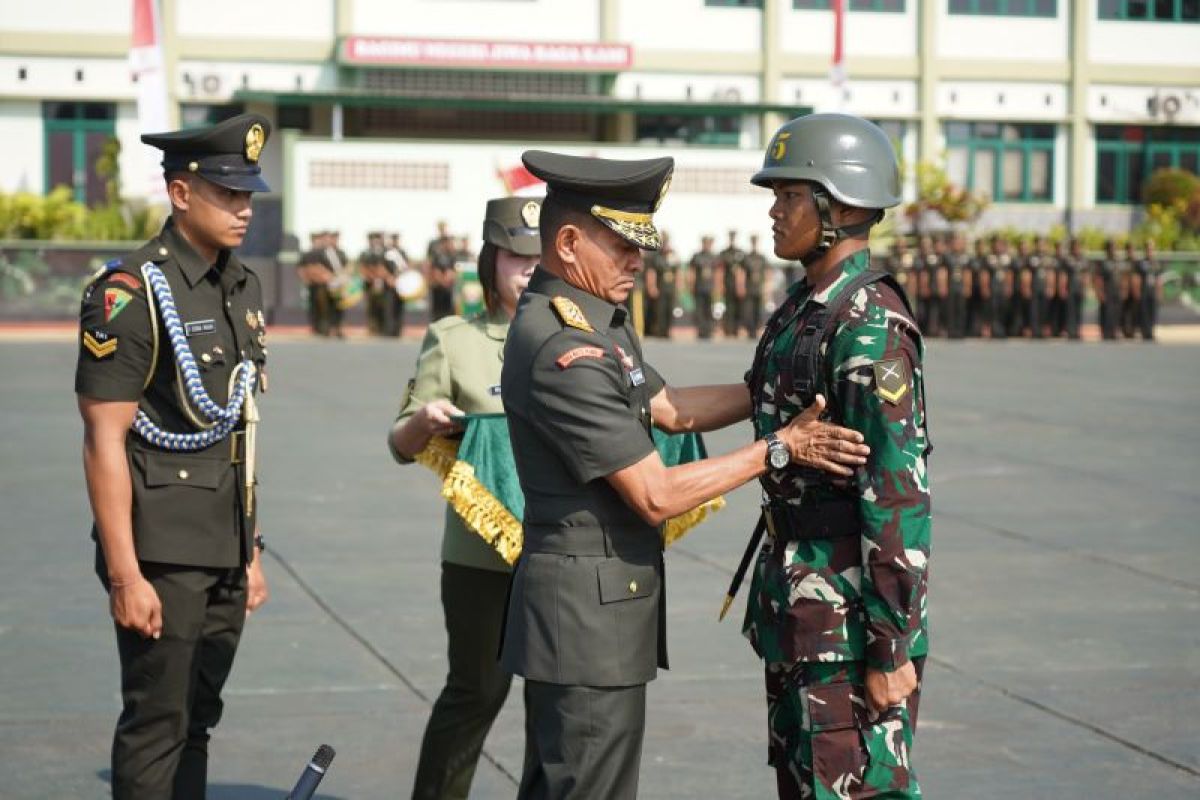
[[819, 327]]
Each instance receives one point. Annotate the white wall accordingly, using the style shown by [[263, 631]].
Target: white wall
[[472, 181], [256, 19], [976, 37], [216, 81], [1109, 103], [54, 78], [688, 25], [885, 99], [1011, 100], [518, 20], [867, 33], [1145, 43], [660, 86], [69, 16], [22, 168]]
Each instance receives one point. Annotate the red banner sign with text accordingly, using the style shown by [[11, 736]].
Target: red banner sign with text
[[402, 52]]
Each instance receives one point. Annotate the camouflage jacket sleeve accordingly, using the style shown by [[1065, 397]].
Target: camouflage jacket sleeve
[[878, 387]]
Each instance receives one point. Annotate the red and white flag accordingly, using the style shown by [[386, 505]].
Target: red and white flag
[[837, 70], [516, 178], [147, 65]]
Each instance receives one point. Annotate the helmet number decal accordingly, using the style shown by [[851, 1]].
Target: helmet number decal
[[779, 149]]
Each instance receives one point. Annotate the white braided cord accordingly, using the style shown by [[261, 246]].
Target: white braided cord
[[225, 418]]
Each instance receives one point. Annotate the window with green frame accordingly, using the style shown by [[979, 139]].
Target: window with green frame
[[1006, 8], [853, 5], [1008, 162], [74, 136], [1126, 155], [735, 3], [1151, 10]]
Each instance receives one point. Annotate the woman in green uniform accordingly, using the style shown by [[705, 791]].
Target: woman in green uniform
[[458, 372]]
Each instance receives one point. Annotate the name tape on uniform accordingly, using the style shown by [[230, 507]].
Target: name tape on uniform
[[571, 356]]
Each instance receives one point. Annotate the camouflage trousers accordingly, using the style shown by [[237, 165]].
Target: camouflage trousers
[[823, 743]]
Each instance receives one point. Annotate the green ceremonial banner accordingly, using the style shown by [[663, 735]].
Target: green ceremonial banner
[[479, 480]]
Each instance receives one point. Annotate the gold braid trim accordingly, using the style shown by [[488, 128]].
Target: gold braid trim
[[482, 512], [489, 518], [676, 527]]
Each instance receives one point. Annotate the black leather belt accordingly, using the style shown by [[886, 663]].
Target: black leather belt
[[833, 519]]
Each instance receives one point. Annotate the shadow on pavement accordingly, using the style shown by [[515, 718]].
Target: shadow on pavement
[[237, 791]]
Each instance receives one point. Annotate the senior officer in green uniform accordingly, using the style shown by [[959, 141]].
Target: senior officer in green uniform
[[458, 372], [837, 605], [585, 623], [171, 355]]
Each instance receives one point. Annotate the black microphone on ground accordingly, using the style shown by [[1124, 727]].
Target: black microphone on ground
[[313, 774]]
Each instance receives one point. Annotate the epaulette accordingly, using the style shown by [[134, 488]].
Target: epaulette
[[571, 315]]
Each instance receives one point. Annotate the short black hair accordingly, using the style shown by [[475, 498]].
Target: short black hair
[[555, 214]]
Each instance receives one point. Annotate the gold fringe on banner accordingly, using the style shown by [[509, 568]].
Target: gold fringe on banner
[[489, 518], [676, 527]]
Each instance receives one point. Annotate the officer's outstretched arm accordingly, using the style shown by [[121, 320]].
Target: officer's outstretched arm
[[696, 409], [657, 492]]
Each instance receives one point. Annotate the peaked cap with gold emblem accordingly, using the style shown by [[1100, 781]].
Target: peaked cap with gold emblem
[[226, 153], [622, 194], [512, 223]]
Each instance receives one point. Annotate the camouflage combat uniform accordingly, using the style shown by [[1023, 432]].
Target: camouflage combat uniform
[[822, 610]]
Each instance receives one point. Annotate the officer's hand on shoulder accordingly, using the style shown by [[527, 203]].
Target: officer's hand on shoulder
[[823, 445]]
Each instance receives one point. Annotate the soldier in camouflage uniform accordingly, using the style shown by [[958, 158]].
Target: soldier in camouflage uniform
[[838, 599], [733, 283]]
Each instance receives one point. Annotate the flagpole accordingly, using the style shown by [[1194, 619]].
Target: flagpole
[[837, 70]]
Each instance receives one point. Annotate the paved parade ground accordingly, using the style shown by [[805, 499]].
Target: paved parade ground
[[1064, 594]]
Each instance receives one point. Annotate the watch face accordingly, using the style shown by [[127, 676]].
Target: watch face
[[779, 458]]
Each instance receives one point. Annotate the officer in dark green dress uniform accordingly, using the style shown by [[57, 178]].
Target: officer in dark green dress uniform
[[171, 355], [586, 617], [703, 279]]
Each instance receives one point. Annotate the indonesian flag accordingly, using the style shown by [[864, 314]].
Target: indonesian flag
[[517, 178], [146, 65], [837, 70]]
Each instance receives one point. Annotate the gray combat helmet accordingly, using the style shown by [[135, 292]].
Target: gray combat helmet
[[846, 157], [851, 157]]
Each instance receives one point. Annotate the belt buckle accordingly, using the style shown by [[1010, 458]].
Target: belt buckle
[[236, 452]]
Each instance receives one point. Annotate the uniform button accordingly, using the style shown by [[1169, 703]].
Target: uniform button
[[162, 251], [633, 587], [229, 304], [205, 357], [183, 474]]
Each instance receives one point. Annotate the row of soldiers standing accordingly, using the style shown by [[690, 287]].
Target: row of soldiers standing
[[1037, 292], [737, 280], [385, 280]]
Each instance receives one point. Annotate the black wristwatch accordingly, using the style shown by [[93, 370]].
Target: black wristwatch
[[778, 455], [259, 542]]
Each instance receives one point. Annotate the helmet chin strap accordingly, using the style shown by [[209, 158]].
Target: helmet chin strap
[[831, 234]]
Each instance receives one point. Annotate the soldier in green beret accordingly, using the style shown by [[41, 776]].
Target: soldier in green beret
[[172, 355]]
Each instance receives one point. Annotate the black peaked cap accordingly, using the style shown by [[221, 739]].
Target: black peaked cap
[[226, 153], [622, 194]]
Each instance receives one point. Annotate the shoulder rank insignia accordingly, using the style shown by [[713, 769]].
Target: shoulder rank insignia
[[570, 314], [891, 379], [571, 356], [115, 301], [99, 343]]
